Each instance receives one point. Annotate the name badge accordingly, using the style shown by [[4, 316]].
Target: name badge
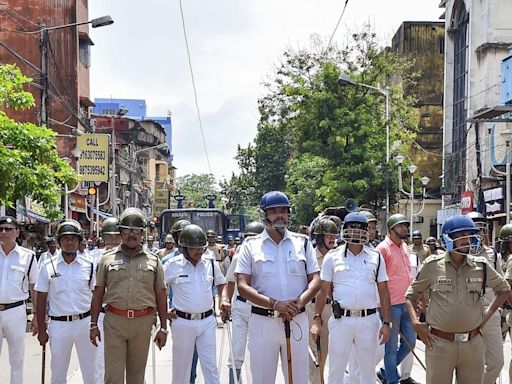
[[117, 262], [183, 276], [474, 280], [444, 281]]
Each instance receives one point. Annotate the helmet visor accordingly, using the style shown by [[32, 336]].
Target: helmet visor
[[355, 233]]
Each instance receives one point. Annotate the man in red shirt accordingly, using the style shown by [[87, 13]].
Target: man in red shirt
[[396, 255]]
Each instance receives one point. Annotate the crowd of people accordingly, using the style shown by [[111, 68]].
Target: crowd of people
[[335, 304]]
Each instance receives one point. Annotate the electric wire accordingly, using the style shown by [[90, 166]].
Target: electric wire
[[337, 25], [194, 87]]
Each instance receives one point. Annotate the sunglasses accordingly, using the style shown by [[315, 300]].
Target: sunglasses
[[133, 230], [7, 229]]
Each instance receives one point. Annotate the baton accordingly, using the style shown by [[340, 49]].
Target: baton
[[312, 356], [153, 354], [319, 349], [219, 364], [231, 355], [288, 350], [43, 364], [411, 349]]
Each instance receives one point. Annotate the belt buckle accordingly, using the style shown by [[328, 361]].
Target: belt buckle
[[464, 337], [75, 317], [130, 314], [356, 313], [195, 316]]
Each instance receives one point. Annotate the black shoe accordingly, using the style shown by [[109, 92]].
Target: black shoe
[[409, 380], [381, 377]]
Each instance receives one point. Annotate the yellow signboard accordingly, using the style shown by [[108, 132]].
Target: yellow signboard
[[161, 197], [93, 164]]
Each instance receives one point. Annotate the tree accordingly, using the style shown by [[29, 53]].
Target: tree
[[195, 187], [310, 122], [29, 162]]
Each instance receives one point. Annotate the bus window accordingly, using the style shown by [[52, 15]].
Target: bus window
[[209, 220], [233, 222]]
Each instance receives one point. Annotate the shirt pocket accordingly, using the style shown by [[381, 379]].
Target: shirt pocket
[[474, 293], [146, 273], [117, 273], [296, 265], [442, 294], [264, 266], [83, 279], [207, 282], [369, 272], [341, 272], [59, 284], [16, 275]]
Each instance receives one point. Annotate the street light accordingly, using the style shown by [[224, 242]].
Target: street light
[[346, 80], [113, 193], [424, 181], [43, 42]]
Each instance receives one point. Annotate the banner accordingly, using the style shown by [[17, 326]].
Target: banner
[[93, 163]]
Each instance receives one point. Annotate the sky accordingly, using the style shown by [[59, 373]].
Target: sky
[[234, 47]]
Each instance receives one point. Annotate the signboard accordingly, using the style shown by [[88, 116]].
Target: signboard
[[466, 202], [161, 201], [93, 163]]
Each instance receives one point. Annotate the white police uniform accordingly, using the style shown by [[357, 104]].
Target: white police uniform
[[240, 313], [280, 272], [17, 270], [195, 325], [354, 279], [69, 288]]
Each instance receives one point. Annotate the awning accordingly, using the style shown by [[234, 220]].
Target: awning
[[104, 215]]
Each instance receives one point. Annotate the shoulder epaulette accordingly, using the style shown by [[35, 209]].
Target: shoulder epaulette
[[113, 250], [86, 257], [28, 250], [299, 235], [252, 238], [433, 258], [152, 256]]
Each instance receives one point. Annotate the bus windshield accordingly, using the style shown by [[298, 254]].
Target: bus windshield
[[205, 218]]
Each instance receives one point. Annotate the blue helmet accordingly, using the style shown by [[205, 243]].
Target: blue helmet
[[355, 228], [456, 224], [274, 199]]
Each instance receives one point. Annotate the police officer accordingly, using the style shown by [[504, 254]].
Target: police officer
[[112, 238], [217, 250], [432, 244], [240, 308], [372, 228], [455, 283], [421, 250], [325, 233], [18, 274], [506, 249], [191, 276], [169, 247], [52, 249], [356, 276], [277, 272], [491, 333], [65, 282], [130, 281], [149, 245]]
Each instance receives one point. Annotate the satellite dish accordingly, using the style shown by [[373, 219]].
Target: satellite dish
[[351, 205]]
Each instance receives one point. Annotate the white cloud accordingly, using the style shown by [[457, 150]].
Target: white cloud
[[233, 46]]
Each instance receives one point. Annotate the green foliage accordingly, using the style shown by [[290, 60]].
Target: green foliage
[[195, 187], [323, 141], [29, 162]]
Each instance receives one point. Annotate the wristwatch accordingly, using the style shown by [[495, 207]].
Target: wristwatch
[[388, 323]]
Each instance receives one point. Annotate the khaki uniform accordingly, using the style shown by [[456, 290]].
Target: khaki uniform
[[130, 283], [314, 372], [455, 306], [218, 252], [164, 252], [422, 250]]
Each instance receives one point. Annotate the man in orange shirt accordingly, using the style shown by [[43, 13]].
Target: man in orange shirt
[[396, 255]]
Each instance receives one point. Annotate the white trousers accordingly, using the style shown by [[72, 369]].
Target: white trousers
[[240, 314], [63, 335], [360, 334], [13, 324], [267, 341], [100, 354], [185, 335]]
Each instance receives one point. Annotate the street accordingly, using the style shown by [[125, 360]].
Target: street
[[164, 364]]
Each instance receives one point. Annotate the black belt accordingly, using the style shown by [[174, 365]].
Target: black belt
[[327, 301], [507, 306], [71, 317], [356, 313], [268, 312], [241, 298], [194, 316], [3, 307]]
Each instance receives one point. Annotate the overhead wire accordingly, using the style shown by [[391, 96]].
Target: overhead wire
[[194, 87], [337, 25]]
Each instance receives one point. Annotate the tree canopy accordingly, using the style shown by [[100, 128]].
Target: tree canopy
[[195, 187], [29, 162], [322, 141]]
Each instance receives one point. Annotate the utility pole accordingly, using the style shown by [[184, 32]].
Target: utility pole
[[43, 43]]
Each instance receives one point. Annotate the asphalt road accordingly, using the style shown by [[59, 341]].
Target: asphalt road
[[163, 364]]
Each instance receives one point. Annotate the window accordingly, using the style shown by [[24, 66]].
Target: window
[[84, 53], [460, 79]]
